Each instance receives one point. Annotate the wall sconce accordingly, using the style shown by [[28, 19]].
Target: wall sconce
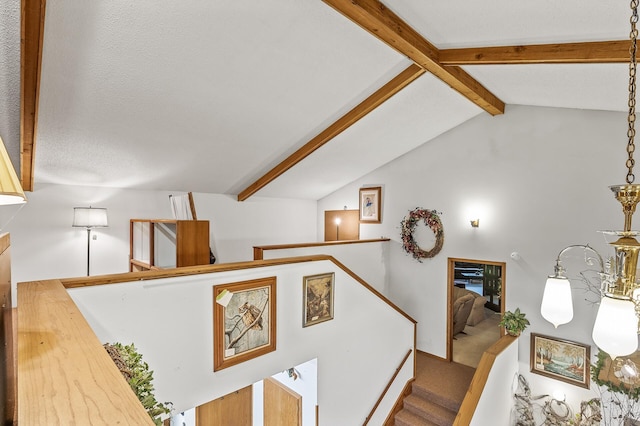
[[338, 221], [89, 217], [475, 223]]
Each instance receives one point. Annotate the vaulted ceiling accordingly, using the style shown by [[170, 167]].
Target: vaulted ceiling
[[288, 98]]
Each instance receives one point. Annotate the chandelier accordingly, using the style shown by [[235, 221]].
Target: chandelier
[[615, 330]]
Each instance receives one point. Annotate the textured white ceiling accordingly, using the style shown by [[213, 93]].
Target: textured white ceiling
[[10, 78], [207, 96]]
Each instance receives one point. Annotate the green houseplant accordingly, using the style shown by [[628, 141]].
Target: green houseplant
[[514, 322], [139, 377]]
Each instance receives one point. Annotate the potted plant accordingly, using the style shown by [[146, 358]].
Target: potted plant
[[140, 378], [514, 322]]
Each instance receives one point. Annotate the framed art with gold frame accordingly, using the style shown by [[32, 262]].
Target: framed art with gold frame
[[244, 321], [560, 359], [318, 298]]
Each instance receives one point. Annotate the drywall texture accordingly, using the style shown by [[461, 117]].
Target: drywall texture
[[170, 322], [499, 387], [537, 178], [368, 260], [46, 246]]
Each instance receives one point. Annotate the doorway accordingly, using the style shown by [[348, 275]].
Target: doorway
[[476, 294]]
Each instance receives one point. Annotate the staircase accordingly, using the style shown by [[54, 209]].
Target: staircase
[[436, 393]]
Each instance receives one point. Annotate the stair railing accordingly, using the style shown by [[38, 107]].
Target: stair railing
[[384, 392]]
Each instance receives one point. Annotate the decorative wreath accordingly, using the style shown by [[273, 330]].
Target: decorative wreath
[[432, 220]]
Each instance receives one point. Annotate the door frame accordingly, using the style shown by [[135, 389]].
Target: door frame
[[451, 261]]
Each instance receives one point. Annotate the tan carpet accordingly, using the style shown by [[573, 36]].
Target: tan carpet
[[469, 347], [436, 393], [450, 380]]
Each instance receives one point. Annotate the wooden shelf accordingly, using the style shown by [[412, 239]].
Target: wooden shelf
[[165, 243]]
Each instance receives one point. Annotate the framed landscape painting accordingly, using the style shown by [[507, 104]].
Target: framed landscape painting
[[560, 359], [244, 321], [318, 299], [371, 204]]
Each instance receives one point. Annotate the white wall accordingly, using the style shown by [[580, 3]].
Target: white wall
[[538, 180], [170, 322], [44, 245], [499, 387], [368, 260]]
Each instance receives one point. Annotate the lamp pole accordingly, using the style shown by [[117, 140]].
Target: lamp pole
[[88, 248]]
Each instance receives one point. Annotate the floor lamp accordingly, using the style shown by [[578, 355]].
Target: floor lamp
[[89, 217]]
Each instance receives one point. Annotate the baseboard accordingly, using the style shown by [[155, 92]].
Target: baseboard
[[399, 405], [432, 355]]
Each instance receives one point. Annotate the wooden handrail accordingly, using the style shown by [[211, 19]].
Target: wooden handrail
[[64, 374], [223, 267], [470, 401], [60, 356], [384, 392], [258, 251]]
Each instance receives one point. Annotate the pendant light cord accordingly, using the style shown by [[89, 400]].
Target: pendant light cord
[[631, 132]]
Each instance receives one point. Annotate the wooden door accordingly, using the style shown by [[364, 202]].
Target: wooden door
[[282, 406], [347, 229], [234, 409]]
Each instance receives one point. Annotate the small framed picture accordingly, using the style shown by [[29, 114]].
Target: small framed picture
[[244, 321], [560, 359], [371, 205], [317, 292]]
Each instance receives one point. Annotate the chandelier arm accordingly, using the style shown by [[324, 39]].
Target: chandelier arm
[[559, 270]]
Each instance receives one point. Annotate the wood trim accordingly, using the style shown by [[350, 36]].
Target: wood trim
[[192, 206], [597, 52], [8, 351], [12, 377], [381, 22], [258, 251], [61, 360], [48, 299], [470, 402], [450, 284], [223, 267], [343, 123], [32, 39], [399, 405], [372, 290], [386, 388]]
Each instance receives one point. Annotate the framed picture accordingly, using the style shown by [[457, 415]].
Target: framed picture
[[371, 205], [560, 359], [318, 299], [244, 321]]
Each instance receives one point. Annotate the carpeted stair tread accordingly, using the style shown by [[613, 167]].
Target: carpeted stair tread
[[407, 418], [429, 410], [445, 383]]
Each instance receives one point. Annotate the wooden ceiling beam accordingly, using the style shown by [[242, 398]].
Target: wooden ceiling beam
[[374, 17], [363, 108], [597, 52], [31, 40]]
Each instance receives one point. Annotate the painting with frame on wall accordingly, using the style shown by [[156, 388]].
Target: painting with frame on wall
[[371, 205], [244, 321], [317, 293], [560, 359]]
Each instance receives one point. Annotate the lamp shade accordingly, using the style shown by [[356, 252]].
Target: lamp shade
[[616, 328], [10, 189], [90, 217], [557, 304]]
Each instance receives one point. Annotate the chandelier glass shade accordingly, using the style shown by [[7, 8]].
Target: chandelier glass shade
[[557, 305], [615, 330]]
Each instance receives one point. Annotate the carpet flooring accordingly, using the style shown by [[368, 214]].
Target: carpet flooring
[[436, 393], [469, 346]]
